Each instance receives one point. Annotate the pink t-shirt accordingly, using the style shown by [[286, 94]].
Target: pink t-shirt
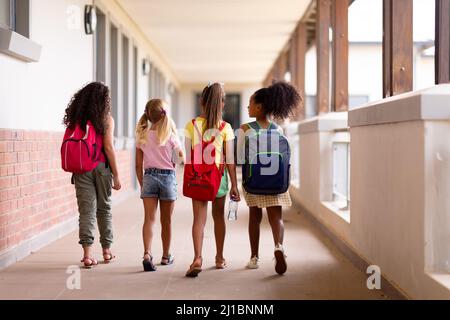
[[156, 156]]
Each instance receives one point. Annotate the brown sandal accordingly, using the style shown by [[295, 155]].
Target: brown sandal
[[194, 269]]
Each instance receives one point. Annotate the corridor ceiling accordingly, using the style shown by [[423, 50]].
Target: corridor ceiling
[[231, 41]]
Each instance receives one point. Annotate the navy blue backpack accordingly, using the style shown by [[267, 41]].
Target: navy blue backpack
[[266, 170]]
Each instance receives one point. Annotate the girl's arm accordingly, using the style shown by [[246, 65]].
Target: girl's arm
[[231, 166], [108, 145], [139, 165], [187, 148], [180, 159]]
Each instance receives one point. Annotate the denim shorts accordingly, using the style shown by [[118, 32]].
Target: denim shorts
[[160, 184]]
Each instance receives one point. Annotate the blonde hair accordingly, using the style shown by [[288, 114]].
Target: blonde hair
[[156, 113]]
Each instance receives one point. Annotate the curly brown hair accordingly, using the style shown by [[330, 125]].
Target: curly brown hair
[[92, 102], [279, 100]]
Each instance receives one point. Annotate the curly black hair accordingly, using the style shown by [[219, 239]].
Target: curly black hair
[[279, 100], [92, 102]]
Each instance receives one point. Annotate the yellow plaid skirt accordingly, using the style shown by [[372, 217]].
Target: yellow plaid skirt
[[267, 201]]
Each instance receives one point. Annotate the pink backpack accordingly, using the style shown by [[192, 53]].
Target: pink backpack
[[79, 149]]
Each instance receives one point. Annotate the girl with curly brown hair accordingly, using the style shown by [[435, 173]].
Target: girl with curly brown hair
[[278, 101], [93, 189]]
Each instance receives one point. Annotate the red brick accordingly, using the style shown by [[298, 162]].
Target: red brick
[[42, 145], [26, 190], [8, 182], [5, 134], [20, 146], [10, 170], [3, 219], [2, 232], [38, 187], [17, 135], [3, 171], [29, 135], [27, 233], [3, 195], [10, 157], [13, 240], [6, 146], [24, 179], [20, 203], [22, 168], [31, 201], [5, 206], [19, 215], [23, 157], [2, 245], [13, 193]]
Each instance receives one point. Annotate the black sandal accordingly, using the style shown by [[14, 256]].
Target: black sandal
[[165, 261], [148, 263]]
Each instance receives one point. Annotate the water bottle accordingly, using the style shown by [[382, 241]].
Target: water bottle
[[232, 210]]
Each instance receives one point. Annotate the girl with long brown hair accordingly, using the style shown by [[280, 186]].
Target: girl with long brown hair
[[210, 124]]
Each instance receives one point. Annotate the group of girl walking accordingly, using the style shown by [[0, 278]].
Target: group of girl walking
[[158, 151]]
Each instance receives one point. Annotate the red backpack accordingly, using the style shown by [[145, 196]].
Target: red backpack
[[79, 149], [201, 179]]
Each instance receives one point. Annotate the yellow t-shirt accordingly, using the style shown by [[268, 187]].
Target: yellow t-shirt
[[226, 134]]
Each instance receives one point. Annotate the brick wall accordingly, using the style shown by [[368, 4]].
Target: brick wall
[[35, 194]]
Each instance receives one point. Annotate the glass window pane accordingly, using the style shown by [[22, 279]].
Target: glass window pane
[[5, 14]]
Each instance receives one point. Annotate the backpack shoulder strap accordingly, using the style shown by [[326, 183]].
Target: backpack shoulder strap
[[254, 125], [194, 123], [222, 126], [273, 126]]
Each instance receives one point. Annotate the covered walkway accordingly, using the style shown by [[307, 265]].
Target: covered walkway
[[316, 269]]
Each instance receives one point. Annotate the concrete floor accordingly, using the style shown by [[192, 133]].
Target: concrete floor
[[316, 269]]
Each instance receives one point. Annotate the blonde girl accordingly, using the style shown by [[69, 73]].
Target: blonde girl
[[157, 151]]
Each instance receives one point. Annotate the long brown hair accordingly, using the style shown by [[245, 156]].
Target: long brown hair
[[211, 101]]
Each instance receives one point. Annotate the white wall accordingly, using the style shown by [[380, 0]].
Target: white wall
[[34, 95]]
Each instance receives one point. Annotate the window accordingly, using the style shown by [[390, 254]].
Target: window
[[125, 85], [100, 47], [135, 86], [341, 173], [8, 14], [14, 25], [365, 32], [114, 77]]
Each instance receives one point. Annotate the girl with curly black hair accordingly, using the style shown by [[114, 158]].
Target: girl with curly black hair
[[278, 101], [93, 188]]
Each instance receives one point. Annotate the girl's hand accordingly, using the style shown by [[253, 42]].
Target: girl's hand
[[116, 183], [234, 194]]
